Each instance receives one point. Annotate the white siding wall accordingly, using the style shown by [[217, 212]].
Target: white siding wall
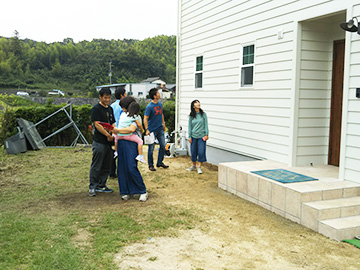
[[317, 39], [257, 121], [352, 148]]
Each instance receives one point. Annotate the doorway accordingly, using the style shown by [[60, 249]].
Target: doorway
[[336, 102]]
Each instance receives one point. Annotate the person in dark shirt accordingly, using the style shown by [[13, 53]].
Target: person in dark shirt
[[102, 142]]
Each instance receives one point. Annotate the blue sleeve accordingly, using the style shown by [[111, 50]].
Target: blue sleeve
[[148, 110]]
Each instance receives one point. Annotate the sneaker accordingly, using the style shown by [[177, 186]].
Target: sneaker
[[115, 154], [125, 197], [141, 158], [104, 189], [143, 197], [192, 168], [199, 170], [92, 192]]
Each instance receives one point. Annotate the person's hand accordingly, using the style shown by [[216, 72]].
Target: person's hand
[[190, 140], [164, 127], [205, 138], [147, 132], [110, 138]]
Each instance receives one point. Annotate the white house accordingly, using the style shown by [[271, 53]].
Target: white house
[[277, 79], [140, 90]]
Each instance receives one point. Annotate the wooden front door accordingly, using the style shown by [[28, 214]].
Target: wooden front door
[[336, 102]]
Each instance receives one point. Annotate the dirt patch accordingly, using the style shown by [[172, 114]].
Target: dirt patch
[[82, 238], [233, 233]]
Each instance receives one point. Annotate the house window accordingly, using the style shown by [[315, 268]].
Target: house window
[[140, 94], [247, 65], [198, 72], [130, 93]]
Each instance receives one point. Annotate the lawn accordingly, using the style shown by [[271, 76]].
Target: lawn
[[47, 220]]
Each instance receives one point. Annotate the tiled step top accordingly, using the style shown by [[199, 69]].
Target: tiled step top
[[337, 203], [342, 223], [311, 186]]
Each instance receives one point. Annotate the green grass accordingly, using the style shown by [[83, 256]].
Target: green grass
[[44, 205]]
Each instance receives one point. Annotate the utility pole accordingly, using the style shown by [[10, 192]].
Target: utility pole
[[110, 74]]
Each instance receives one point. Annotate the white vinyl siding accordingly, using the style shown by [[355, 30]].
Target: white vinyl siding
[[259, 121], [352, 142]]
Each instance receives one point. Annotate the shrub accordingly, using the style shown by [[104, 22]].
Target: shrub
[[80, 115]]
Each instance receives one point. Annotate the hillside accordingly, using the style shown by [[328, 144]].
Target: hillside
[[81, 66]]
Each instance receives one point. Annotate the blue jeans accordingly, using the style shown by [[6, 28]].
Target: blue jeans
[[198, 150], [159, 135]]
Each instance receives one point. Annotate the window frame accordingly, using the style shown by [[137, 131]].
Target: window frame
[[242, 66], [199, 72]]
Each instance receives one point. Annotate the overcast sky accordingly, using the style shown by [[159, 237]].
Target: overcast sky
[[54, 20]]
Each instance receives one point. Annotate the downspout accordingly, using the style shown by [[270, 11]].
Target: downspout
[[177, 96]]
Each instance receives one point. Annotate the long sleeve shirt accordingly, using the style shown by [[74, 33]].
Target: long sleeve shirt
[[198, 126]]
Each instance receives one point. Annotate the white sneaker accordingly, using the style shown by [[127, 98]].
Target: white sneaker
[[143, 197], [192, 168], [125, 197], [199, 170], [141, 158], [115, 154]]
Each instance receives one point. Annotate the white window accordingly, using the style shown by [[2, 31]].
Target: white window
[[247, 65], [140, 94], [199, 72]]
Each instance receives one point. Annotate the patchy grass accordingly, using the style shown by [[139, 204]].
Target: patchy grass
[[45, 206]]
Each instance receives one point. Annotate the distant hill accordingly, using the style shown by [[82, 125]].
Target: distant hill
[[81, 66]]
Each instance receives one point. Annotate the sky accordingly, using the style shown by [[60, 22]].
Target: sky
[[55, 20]]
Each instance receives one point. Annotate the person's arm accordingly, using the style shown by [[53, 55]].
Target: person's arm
[[138, 123], [206, 137], [129, 129], [103, 131], [147, 132], [190, 129], [163, 122]]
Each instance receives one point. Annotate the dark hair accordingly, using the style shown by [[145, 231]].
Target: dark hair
[[133, 109], [119, 92], [152, 92], [125, 102], [193, 112], [104, 91]]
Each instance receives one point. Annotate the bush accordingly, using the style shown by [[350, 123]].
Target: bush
[[80, 115]]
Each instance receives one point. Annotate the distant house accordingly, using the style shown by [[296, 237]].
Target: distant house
[[279, 80], [141, 90]]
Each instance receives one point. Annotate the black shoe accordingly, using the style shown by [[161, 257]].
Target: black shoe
[[151, 168], [163, 166], [92, 193], [113, 176]]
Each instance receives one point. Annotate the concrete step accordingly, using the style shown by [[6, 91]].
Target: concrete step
[[313, 212], [340, 228], [327, 190]]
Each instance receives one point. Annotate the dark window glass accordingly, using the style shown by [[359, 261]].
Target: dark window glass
[[198, 80], [248, 55], [247, 76], [199, 63]]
